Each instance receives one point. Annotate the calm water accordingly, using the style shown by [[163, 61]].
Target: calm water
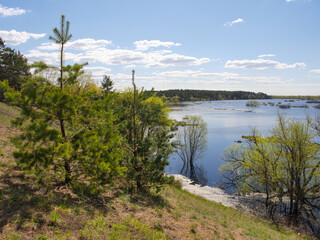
[[228, 121]]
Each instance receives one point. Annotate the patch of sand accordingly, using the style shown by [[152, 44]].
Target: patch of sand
[[212, 193]]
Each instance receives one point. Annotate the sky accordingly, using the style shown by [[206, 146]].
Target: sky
[[269, 46]]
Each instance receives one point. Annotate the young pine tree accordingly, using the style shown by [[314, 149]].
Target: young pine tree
[[146, 129], [67, 135]]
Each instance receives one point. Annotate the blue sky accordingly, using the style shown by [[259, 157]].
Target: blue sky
[[269, 46]]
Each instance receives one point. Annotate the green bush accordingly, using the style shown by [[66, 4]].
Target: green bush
[[253, 103], [171, 181]]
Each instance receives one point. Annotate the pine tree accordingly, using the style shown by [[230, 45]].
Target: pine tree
[[66, 135], [107, 84], [13, 66], [146, 129]]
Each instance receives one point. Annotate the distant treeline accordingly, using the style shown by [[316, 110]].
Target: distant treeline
[[207, 95], [295, 97]]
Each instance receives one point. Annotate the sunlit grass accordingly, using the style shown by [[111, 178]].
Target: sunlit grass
[[27, 212]]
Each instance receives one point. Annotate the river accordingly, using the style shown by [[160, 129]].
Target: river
[[229, 120]]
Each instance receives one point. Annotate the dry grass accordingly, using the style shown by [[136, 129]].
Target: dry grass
[[28, 211]]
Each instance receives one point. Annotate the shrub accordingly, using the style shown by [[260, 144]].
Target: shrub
[[284, 106], [253, 103]]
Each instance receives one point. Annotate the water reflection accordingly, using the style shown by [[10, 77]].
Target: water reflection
[[195, 172], [227, 126]]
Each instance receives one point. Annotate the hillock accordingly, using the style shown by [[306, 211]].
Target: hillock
[[28, 211]]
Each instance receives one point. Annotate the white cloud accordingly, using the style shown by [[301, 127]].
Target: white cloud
[[189, 78], [123, 81], [204, 82], [114, 56], [158, 60], [196, 74], [36, 56], [121, 77], [103, 55], [97, 71], [177, 74], [240, 80], [260, 64], [87, 44], [146, 44], [15, 38], [162, 52], [132, 57], [131, 66], [220, 75], [265, 80], [228, 77], [6, 11], [83, 44], [48, 46], [166, 82], [315, 71], [49, 57], [239, 20], [199, 77], [266, 55], [97, 51]]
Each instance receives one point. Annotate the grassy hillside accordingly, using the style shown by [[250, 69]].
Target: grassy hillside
[[29, 212]]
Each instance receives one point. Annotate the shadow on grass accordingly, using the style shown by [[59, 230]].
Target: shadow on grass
[[21, 200], [17, 200], [149, 199]]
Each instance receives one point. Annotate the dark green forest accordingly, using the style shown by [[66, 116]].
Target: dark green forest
[[209, 95]]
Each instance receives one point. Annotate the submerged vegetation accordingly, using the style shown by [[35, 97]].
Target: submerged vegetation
[[253, 103], [284, 167], [192, 141]]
